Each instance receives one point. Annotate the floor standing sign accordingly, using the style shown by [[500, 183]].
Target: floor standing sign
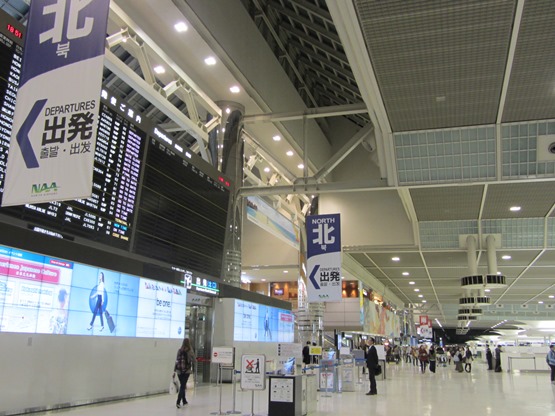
[[54, 127], [324, 258]]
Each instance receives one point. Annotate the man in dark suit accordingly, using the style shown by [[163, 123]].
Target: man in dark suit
[[372, 363]]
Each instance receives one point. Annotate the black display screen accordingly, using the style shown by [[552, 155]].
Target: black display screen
[[182, 211]]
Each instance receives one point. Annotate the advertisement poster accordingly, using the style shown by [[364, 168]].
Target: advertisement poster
[[261, 323], [266, 217], [55, 120], [40, 294], [324, 258], [380, 321]]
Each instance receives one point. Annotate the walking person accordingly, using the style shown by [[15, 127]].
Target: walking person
[[489, 358], [423, 357], [550, 358], [458, 359], [432, 358], [183, 368], [372, 362], [468, 360], [306, 354]]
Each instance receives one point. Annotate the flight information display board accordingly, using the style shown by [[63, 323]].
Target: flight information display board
[[106, 216], [11, 57], [183, 208]]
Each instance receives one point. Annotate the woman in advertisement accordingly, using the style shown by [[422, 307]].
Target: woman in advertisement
[[99, 302]]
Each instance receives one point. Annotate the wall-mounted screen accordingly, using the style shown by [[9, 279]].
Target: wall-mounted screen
[[40, 294], [261, 323]]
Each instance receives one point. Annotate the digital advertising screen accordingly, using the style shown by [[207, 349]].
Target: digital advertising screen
[[41, 294], [261, 323]]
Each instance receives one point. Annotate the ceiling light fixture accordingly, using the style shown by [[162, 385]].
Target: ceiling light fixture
[[276, 138], [514, 209], [406, 273], [289, 153], [266, 169], [235, 89], [424, 301], [300, 166], [263, 280], [181, 27], [286, 271], [420, 296], [506, 257], [395, 259], [159, 69], [551, 296], [540, 301], [228, 110], [411, 283], [417, 290], [210, 60]]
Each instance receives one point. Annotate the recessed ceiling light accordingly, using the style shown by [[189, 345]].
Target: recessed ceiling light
[[342, 277], [210, 60], [235, 89], [551, 296], [159, 69], [417, 290], [263, 280], [420, 296], [300, 166], [514, 209], [289, 153], [276, 138], [228, 110], [499, 273], [266, 169], [540, 301], [406, 273], [411, 283], [286, 271], [487, 290], [424, 301], [181, 26], [395, 258], [506, 257]]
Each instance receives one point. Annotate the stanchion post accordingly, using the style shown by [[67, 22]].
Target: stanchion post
[[219, 412], [234, 381]]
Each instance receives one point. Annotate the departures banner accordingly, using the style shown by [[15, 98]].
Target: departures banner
[[54, 128], [324, 258]]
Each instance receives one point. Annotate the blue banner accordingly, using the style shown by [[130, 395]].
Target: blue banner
[[324, 258], [54, 129]]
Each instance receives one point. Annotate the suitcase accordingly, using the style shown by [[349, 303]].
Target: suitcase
[[110, 321]]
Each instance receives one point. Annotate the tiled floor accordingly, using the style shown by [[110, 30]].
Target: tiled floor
[[405, 392]]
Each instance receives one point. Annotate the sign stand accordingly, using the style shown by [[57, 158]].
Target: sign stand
[[234, 381], [219, 412], [253, 375], [223, 356]]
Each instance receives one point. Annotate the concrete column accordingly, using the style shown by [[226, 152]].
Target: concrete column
[[492, 255]]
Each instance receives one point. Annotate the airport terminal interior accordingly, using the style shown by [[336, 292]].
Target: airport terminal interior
[[425, 129]]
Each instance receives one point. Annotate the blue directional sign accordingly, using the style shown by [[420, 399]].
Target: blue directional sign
[[324, 258]]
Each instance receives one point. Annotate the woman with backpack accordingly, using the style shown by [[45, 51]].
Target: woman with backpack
[[183, 368]]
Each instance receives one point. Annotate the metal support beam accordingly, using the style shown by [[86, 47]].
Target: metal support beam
[[319, 112], [114, 64], [340, 155], [316, 188]]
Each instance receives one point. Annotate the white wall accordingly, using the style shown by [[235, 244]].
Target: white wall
[[48, 371], [344, 315]]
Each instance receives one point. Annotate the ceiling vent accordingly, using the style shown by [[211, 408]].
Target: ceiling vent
[[525, 306], [545, 151]]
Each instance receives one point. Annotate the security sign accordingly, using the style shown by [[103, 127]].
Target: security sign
[[324, 258]]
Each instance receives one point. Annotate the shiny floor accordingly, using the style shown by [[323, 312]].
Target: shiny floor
[[405, 392]]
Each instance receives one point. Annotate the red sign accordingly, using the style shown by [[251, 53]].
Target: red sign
[[28, 270], [424, 320]]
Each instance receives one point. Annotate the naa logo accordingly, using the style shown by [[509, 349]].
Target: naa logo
[[38, 188]]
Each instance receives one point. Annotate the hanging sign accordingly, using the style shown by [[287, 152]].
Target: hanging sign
[[324, 258], [54, 127]]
